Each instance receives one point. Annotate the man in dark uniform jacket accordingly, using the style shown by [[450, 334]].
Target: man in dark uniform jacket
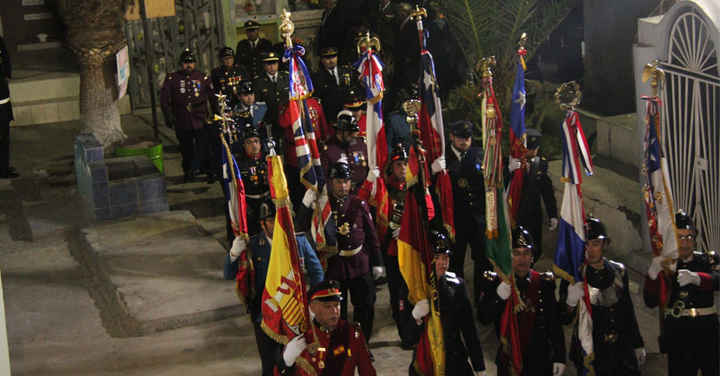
[[541, 335], [330, 34], [6, 113], [227, 77], [348, 146], [247, 111], [259, 247], [331, 82], [342, 349], [617, 342], [536, 185], [249, 51], [385, 21], [692, 332], [464, 164], [252, 163], [272, 87], [456, 315], [184, 97], [359, 261], [406, 56]]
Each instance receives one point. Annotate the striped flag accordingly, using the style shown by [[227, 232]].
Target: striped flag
[[570, 254], [306, 147], [517, 137], [657, 192], [284, 299]]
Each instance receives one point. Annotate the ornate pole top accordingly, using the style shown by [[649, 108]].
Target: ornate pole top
[[523, 40], [658, 75], [368, 43], [418, 13], [565, 90], [484, 65], [287, 27]]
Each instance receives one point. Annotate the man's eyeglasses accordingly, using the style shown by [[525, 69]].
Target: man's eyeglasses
[[689, 238]]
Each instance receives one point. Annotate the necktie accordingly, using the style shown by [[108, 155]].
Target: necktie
[[462, 156], [274, 80]]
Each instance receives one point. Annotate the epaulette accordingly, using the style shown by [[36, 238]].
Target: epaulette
[[543, 159], [547, 276], [358, 328], [618, 265]]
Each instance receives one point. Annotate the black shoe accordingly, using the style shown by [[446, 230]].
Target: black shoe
[[380, 281], [189, 177], [372, 357], [11, 169], [8, 175], [406, 346], [211, 178]]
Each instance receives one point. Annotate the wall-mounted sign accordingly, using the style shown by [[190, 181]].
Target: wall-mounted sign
[[28, 3], [154, 9], [38, 16]]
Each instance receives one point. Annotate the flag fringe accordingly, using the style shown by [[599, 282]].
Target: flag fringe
[[563, 274], [283, 340], [306, 366]]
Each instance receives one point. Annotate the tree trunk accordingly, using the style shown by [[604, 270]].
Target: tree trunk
[[99, 112]]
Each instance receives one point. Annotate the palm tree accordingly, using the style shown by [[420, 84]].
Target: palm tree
[[486, 28], [95, 33]]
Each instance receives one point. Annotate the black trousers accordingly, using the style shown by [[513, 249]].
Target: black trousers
[[270, 351], [295, 186], [6, 116], [464, 236], [395, 282], [193, 147], [362, 296]]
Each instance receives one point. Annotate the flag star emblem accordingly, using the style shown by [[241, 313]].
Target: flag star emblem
[[521, 99], [428, 80]]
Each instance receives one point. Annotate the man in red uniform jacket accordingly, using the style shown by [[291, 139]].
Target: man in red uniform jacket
[[341, 345]]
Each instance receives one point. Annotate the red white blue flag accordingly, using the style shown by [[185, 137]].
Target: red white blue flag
[[517, 137]]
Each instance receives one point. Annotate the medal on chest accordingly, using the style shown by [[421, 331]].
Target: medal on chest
[[462, 183]]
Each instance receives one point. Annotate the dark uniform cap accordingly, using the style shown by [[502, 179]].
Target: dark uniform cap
[[683, 221], [249, 25], [267, 209], [329, 52], [187, 56], [246, 87], [325, 291], [354, 102], [462, 128], [270, 57], [412, 92], [594, 229], [533, 138], [440, 243], [250, 132], [398, 154], [346, 122], [521, 238], [225, 52], [340, 170]]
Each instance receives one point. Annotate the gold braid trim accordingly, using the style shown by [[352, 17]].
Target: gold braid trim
[[305, 365], [270, 333], [563, 274]]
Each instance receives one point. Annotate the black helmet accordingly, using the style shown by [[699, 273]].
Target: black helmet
[[440, 243], [521, 238], [346, 122], [187, 56], [246, 87], [594, 229], [250, 132], [340, 170], [225, 51], [683, 221], [412, 92], [267, 209], [398, 154]]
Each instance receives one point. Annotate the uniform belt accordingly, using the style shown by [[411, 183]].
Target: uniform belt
[[190, 106], [693, 312], [6, 100], [350, 252], [257, 197]]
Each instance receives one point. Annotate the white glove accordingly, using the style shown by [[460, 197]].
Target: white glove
[[504, 290], [553, 224], [309, 198], [293, 349], [686, 277], [655, 267], [396, 233], [422, 308], [575, 293], [373, 174], [438, 165], [238, 247], [514, 164], [558, 369], [640, 355], [377, 272]]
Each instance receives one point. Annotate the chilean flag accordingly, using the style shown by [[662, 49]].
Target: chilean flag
[[517, 137]]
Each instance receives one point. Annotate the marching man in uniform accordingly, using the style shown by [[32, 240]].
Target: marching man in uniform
[[249, 51], [692, 332], [347, 145], [227, 77], [252, 164], [184, 98], [342, 348]]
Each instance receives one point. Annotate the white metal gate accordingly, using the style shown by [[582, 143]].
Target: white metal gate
[[691, 124]]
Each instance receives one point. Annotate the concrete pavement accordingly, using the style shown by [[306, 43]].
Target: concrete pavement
[[62, 318]]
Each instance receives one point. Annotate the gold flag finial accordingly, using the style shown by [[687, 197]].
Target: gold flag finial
[[571, 88], [366, 42], [523, 40], [658, 75], [484, 65], [287, 27], [418, 13]]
